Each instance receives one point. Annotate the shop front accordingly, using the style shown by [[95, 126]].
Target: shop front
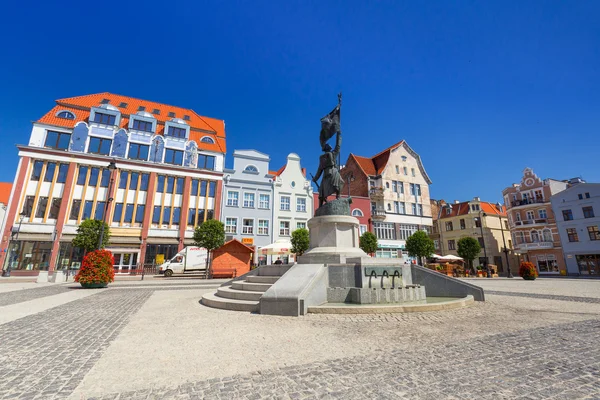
[[589, 264], [388, 250], [28, 257]]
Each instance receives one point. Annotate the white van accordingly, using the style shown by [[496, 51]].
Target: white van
[[190, 259]]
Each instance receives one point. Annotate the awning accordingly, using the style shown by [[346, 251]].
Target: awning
[[280, 247], [124, 240], [34, 237], [159, 240]]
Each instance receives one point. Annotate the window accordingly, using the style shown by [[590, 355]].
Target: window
[[87, 210], [477, 222], [580, 196], [417, 189], [412, 189], [192, 217], [206, 162], [160, 184], [212, 188], [284, 228], [133, 181], [264, 201], [99, 146], [517, 216], [572, 235], [123, 180], [406, 230], [387, 185], [36, 173], [139, 213], [142, 125], [208, 140], [405, 171], [123, 105], [82, 175], [300, 225], [285, 203], [542, 214], [179, 186], [41, 207], [384, 230], [186, 117], [481, 243], [402, 208], [194, 189], [249, 200], [156, 111], [171, 114], [63, 169], [248, 226], [174, 157], [396, 207], [203, 186], [593, 232], [138, 152], [462, 224], [105, 178], [588, 212], [535, 236], [414, 209], [567, 215], [362, 229], [397, 169], [156, 215], [54, 208], [448, 226], [530, 215], [587, 195], [547, 234], [50, 168], [170, 184], [57, 140], [301, 204], [263, 226], [66, 115], [128, 213], [357, 213], [452, 245], [400, 187], [99, 214], [230, 225], [420, 209], [75, 207], [144, 182], [389, 207], [412, 172], [403, 158], [104, 119], [232, 198], [94, 174], [118, 212], [176, 132], [166, 217], [176, 216]]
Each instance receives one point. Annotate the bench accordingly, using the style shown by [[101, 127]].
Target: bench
[[224, 273]]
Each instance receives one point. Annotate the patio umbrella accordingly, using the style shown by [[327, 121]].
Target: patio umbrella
[[451, 257], [280, 247]]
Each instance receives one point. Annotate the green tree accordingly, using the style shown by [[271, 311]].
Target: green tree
[[300, 241], [88, 235], [368, 243], [211, 236], [420, 245], [468, 249]]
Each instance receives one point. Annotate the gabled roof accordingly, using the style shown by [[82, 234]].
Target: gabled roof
[[374, 166], [5, 188], [199, 126], [463, 209], [237, 243], [280, 171]]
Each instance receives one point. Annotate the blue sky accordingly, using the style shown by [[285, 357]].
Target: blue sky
[[479, 89]]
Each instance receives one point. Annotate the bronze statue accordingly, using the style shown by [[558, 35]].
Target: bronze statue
[[332, 181]]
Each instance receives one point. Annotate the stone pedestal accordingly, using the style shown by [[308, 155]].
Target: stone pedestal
[[333, 239]]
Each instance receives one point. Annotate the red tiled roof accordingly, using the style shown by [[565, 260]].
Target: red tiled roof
[[280, 171], [463, 209], [366, 164], [200, 126], [375, 165], [5, 188]]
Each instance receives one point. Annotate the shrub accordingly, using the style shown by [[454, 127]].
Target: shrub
[[368, 243], [527, 271], [300, 241], [97, 267]]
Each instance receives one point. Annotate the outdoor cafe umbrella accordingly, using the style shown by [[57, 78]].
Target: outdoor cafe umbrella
[[450, 257], [280, 247]]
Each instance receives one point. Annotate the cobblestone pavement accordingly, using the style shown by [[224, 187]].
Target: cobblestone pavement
[[559, 362], [545, 296], [20, 296]]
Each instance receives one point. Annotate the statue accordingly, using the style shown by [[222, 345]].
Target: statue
[[332, 182]]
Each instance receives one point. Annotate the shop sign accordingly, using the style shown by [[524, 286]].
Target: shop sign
[[248, 240], [160, 259]]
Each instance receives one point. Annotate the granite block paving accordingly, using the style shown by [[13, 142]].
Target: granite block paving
[[20, 296], [578, 299]]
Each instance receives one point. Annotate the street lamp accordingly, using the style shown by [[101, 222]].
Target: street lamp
[[504, 249], [485, 262], [111, 167]]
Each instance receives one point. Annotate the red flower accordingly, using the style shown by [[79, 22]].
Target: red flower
[[97, 267], [527, 270]]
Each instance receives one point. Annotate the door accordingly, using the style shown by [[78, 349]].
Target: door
[[125, 262]]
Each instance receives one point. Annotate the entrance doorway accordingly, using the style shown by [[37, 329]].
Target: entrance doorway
[[125, 260]]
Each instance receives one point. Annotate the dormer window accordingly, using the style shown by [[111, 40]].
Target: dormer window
[[156, 111], [139, 125], [171, 114], [186, 117], [105, 101], [66, 115], [141, 108], [175, 132], [252, 169], [57, 140], [207, 139], [104, 119]]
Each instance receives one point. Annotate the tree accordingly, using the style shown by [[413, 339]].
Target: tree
[[300, 241], [211, 236], [88, 234], [368, 243], [419, 245], [468, 248]]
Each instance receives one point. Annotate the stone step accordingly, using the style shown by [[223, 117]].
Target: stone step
[[273, 270], [229, 293], [262, 279], [211, 300], [253, 287]]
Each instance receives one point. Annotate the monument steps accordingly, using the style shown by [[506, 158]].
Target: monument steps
[[262, 279], [214, 301], [229, 293], [253, 287]]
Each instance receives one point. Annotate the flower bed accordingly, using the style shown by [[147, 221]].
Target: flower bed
[[528, 271], [96, 269]]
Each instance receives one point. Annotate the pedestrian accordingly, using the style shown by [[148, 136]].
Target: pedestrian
[[278, 261]]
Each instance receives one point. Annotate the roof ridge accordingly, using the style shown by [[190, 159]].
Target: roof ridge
[[359, 166], [388, 149]]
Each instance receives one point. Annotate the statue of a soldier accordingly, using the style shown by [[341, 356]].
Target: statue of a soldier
[[328, 161]]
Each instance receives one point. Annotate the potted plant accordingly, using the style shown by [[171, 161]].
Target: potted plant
[[528, 271], [96, 269], [479, 272]]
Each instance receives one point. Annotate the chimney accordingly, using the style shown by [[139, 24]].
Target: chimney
[[476, 199], [456, 202]]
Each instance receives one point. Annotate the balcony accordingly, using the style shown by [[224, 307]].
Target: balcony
[[529, 222], [534, 246], [378, 214], [376, 193], [518, 203]]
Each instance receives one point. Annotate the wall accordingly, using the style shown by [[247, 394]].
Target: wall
[[232, 255], [360, 186]]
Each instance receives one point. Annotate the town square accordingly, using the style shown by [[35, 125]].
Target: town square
[[300, 200]]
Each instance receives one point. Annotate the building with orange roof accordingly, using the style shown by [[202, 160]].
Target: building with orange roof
[[5, 191], [398, 187], [152, 171], [486, 222]]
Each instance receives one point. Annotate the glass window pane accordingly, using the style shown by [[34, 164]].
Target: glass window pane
[[62, 173], [75, 209], [144, 181], [51, 139], [118, 212], [170, 184], [192, 216], [200, 218], [156, 215], [95, 172], [176, 215], [212, 189], [37, 170], [194, 191], [99, 214], [166, 215], [82, 175], [105, 146], [203, 185], [87, 210], [179, 186], [201, 161], [210, 162], [50, 168], [128, 213], [63, 141], [139, 213], [160, 187], [133, 182], [105, 178], [123, 180], [143, 155], [41, 208], [54, 208], [178, 157]]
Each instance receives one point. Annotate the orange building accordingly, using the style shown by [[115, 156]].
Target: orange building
[[232, 259]]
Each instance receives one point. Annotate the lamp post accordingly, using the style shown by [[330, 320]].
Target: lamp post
[[111, 168], [485, 262], [504, 249]]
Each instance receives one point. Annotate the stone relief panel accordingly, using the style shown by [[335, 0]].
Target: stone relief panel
[[120, 144], [79, 137]]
